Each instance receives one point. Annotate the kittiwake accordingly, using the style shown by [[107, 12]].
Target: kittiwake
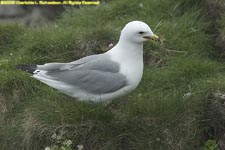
[[101, 77]]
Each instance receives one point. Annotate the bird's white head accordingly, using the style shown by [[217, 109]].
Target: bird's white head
[[137, 32]]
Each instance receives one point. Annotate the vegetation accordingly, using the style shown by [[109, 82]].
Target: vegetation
[[179, 104]]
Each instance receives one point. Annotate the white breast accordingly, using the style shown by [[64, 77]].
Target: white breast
[[131, 63], [133, 70]]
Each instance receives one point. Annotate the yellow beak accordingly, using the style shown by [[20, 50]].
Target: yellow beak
[[153, 38]]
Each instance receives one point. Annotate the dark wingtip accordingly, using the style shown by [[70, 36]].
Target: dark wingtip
[[27, 68]]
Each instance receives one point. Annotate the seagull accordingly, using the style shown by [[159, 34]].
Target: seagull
[[101, 77]]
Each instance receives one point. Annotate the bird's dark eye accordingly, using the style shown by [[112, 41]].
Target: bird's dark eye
[[141, 32]]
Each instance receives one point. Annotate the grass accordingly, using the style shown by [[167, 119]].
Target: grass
[[169, 110]]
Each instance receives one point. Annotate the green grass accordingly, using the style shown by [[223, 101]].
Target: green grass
[[168, 110]]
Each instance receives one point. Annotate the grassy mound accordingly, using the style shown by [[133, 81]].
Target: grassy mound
[[178, 105]]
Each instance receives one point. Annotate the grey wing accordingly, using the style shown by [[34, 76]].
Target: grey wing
[[96, 74], [94, 62], [93, 81], [66, 66]]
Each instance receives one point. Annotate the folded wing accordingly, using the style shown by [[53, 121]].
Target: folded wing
[[96, 74]]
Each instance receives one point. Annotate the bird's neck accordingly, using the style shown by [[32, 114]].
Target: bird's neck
[[128, 50]]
